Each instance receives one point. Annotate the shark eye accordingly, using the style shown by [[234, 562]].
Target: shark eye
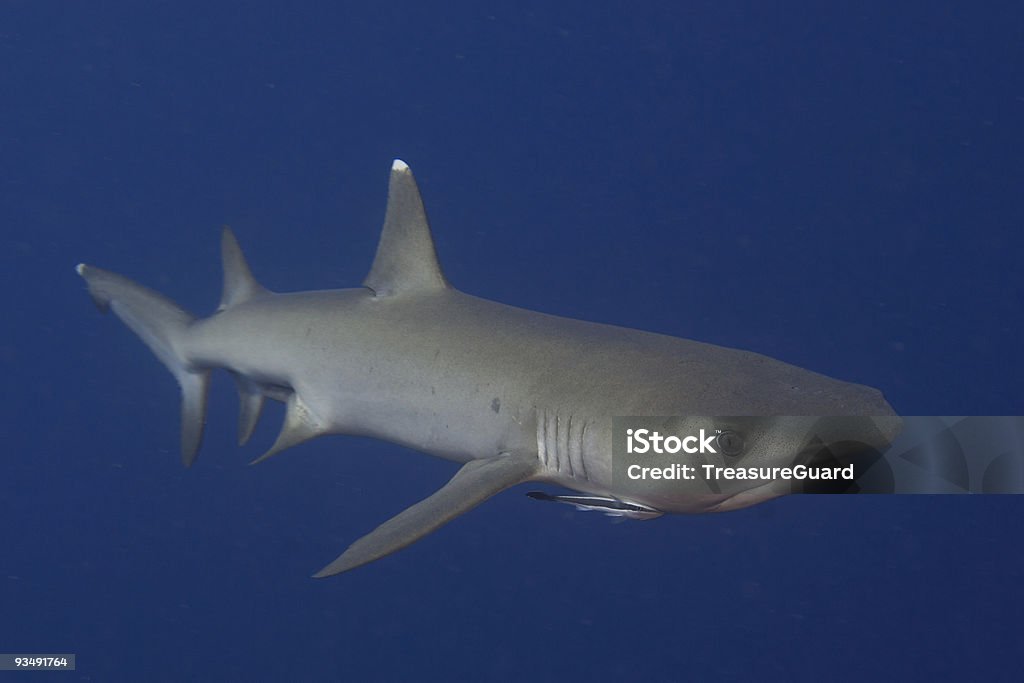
[[730, 442]]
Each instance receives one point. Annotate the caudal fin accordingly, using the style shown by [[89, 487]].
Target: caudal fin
[[162, 325]]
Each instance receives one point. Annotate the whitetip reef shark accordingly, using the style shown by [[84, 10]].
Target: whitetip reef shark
[[512, 394]]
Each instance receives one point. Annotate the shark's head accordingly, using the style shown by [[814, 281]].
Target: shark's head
[[726, 463], [791, 430], [801, 455]]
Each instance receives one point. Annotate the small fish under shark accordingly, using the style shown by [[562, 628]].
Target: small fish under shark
[[513, 395]]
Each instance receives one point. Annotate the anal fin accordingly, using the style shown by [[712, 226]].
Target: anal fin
[[477, 481], [250, 401]]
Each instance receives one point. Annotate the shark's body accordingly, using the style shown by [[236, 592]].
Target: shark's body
[[513, 394]]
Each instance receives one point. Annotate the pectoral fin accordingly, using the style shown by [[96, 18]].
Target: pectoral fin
[[477, 481]]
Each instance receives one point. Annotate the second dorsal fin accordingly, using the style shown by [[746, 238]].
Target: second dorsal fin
[[239, 284], [406, 260]]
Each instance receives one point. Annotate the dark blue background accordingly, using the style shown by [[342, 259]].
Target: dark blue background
[[836, 187]]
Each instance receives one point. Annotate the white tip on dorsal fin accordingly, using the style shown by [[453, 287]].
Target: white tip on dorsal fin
[[239, 284], [406, 260]]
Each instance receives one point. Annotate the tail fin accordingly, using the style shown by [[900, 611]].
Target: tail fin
[[161, 324]]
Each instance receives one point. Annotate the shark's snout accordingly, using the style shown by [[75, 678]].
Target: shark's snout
[[848, 445]]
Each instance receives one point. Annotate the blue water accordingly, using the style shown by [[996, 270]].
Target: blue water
[[838, 188]]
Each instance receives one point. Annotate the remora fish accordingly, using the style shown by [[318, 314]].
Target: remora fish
[[514, 395]]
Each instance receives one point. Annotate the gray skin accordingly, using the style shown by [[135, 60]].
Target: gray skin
[[513, 394]]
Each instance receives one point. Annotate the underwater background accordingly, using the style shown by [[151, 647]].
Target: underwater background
[[835, 185]]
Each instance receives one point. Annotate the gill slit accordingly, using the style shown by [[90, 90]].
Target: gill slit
[[561, 442]]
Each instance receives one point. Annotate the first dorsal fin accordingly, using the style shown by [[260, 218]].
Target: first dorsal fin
[[239, 284], [406, 260]]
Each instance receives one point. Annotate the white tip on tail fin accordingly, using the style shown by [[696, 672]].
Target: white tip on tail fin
[[406, 260], [162, 325]]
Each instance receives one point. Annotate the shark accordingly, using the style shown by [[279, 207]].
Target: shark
[[511, 395]]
